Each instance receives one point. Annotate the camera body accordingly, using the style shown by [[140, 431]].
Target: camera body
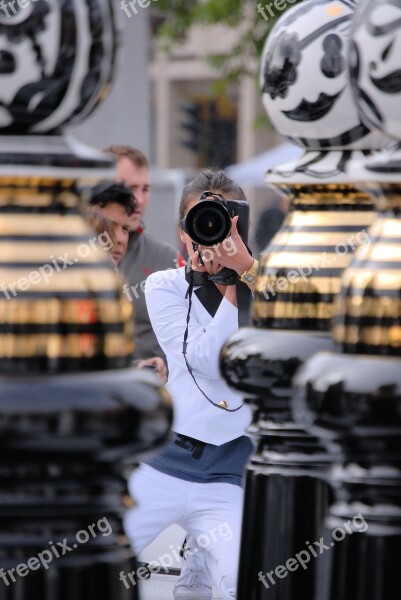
[[209, 221]]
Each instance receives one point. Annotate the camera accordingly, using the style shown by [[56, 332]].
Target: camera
[[209, 221]]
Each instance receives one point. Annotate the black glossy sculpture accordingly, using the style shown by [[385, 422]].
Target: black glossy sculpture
[[286, 492], [352, 399], [74, 415]]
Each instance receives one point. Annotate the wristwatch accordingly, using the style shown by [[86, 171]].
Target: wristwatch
[[249, 276]]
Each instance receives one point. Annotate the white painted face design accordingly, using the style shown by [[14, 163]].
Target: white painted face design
[[304, 77], [24, 60], [56, 61], [375, 64]]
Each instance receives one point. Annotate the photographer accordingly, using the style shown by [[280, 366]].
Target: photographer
[[196, 480]]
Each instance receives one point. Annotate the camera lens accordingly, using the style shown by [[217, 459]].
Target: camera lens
[[208, 223]]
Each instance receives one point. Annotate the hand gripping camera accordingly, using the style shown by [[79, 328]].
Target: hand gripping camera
[[209, 221]]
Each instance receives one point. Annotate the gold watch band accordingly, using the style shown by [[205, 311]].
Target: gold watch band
[[252, 272]]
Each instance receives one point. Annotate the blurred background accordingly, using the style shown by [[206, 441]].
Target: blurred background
[[186, 93]]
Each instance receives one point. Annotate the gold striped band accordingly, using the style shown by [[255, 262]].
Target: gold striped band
[[73, 311], [62, 346], [371, 336], [271, 285], [292, 310]]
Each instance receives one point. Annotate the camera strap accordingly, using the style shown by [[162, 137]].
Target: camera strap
[[188, 295], [244, 301]]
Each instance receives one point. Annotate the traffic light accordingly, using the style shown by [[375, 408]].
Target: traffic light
[[211, 126], [193, 125]]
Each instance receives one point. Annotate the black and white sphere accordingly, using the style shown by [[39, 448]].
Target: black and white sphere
[[56, 62], [304, 78], [375, 64]]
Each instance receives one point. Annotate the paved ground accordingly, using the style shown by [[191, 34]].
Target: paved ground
[[160, 587]]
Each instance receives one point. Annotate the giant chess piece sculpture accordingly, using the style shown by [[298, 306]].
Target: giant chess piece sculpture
[[352, 399], [73, 413], [309, 100]]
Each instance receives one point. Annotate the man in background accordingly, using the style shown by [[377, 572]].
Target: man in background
[[145, 254], [111, 206]]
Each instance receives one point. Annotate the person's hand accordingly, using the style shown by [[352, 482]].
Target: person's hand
[[231, 253], [158, 363], [210, 264]]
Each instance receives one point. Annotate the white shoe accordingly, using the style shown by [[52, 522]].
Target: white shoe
[[193, 583]]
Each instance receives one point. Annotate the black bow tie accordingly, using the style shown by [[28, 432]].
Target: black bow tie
[[210, 296]]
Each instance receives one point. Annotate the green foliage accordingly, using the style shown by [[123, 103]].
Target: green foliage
[[179, 16]]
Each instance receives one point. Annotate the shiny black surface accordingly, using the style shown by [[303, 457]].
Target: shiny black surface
[[283, 510], [66, 444], [353, 403], [286, 493]]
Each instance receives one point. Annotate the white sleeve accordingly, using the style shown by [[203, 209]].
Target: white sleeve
[[168, 310]]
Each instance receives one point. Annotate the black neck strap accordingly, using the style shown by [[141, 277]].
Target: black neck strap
[[190, 277]]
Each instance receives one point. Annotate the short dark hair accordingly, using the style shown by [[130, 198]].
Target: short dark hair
[[135, 155], [109, 192], [212, 180]]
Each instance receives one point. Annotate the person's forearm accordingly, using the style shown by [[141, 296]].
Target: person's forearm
[[230, 294]]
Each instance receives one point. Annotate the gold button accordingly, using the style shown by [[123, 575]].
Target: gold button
[[223, 404]]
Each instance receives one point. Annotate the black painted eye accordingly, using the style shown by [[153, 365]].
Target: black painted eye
[[333, 63], [18, 22], [280, 71], [387, 50], [354, 61], [7, 63]]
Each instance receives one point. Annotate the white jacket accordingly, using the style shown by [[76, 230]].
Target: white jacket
[[194, 416]]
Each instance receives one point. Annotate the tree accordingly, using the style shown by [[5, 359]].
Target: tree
[[179, 16]]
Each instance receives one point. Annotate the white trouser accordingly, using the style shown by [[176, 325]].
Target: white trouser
[[210, 512]]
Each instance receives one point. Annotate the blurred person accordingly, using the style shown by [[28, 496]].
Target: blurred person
[[145, 253], [196, 481], [111, 206], [116, 203], [101, 224]]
